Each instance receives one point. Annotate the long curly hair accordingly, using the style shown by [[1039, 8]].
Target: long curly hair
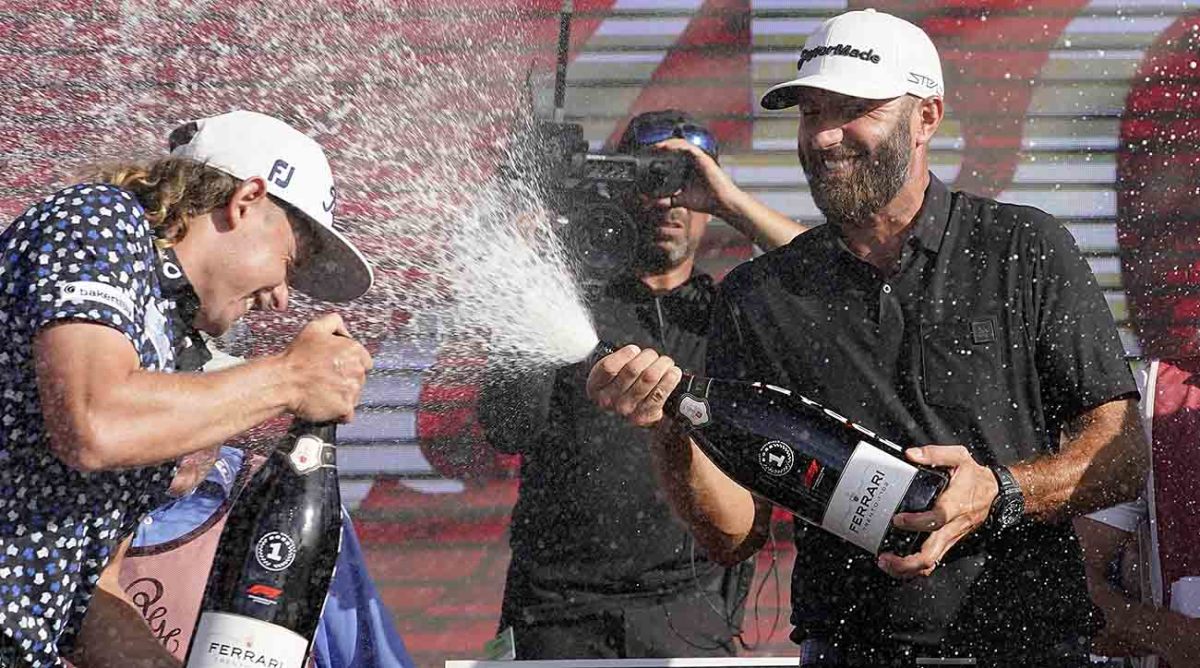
[[171, 190]]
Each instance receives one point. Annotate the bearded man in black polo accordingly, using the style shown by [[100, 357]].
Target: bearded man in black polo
[[969, 328]]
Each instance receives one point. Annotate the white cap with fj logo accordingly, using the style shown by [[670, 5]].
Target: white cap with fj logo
[[866, 54], [246, 144]]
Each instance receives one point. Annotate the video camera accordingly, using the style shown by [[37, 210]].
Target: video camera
[[591, 194]]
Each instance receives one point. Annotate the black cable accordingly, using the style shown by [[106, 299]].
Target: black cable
[[726, 617], [773, 571], [737, 630]]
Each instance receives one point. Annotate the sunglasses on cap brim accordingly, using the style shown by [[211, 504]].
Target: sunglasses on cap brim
[[694, 134]]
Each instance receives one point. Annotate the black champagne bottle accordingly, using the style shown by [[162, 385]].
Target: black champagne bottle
[[274, 560], [808, 459]]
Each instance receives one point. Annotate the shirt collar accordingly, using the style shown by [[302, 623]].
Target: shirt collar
[[191, 352], [931, 222], [632, 288], [175, 284], [934, 215]]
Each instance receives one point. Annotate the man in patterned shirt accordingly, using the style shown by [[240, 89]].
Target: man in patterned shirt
[[94, 281]]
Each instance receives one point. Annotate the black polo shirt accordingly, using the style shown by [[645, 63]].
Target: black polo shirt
[[591, 527], [991, 333]]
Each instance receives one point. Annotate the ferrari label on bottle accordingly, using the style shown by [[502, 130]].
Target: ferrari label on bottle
[[223, 640], [871, 487]]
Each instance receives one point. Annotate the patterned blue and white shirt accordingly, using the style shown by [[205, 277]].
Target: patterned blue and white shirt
[[85, 253]]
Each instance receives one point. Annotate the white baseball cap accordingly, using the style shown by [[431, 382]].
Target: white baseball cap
[[246, 144], [866, 54]]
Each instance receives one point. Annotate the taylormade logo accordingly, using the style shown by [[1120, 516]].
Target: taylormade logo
[[844, 50]]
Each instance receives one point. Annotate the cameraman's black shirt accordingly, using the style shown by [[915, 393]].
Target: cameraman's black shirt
[[591, 524], [991, 334]]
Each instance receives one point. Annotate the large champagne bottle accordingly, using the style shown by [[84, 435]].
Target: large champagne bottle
[[275, 559], [806, 458]]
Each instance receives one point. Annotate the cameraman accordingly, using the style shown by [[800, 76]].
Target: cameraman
[[600, 568]]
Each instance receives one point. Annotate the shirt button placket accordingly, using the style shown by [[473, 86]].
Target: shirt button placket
[[891, 324]]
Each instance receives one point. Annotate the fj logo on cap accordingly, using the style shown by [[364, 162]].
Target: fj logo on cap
[[844, 50], [281, 173]]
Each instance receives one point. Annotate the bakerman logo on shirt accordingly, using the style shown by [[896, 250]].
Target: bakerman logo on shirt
[[77, 292], [844, 50]]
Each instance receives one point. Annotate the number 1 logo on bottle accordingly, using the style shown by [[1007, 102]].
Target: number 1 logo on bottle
[[275, 551]]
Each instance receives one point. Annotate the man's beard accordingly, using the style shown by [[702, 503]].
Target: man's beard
[[850, 198], [650, 257]]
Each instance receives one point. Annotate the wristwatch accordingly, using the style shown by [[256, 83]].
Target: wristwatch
[[1009, 506]]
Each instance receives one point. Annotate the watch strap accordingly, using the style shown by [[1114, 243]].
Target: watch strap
[[1009, 493]]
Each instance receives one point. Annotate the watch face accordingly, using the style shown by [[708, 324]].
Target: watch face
[[1011, 513]]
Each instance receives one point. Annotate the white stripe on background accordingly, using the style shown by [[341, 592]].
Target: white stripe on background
[[1142, 5], [1068, 173], [640, 27], [1071, 143], [1098, 54], [358, 460], [656, 5], [1067, 203], [379, 426], [834, 6], [1105, 265], [435, 486], [354, 491], [1116, 25], [1129, 340], [621, 58], [800, 27], [1096, 238]]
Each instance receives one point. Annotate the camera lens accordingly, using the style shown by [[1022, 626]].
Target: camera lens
[[603, 239]]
